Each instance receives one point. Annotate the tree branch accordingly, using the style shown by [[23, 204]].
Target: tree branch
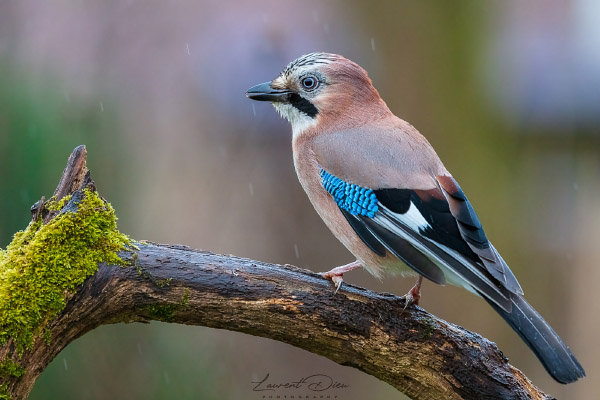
[[414, 351]]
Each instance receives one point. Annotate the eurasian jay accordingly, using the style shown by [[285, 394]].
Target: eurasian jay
[[384, 193]]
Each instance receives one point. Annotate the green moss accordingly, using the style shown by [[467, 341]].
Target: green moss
[[10, 368], [163, 282], [166, 312], [4, 395], [185, 300], [429, 328], [53, 205], [161, 312], [141, 271], [47, 336], [45, 264]]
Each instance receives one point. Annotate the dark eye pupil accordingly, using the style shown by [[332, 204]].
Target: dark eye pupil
[[308, 83]]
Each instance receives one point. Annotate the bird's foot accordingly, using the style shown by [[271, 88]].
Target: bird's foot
[[414, 295], [336, 275]]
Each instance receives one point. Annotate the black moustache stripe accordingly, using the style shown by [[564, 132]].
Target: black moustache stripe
[[303, 105]]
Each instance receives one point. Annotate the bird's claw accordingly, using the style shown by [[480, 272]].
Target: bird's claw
[[336, 275], [337, 279], [413, 296], [409, 300]]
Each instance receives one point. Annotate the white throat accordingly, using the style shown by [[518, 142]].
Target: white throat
[[299, 121]]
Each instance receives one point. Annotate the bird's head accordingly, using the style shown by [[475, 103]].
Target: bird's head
[[321, 89]]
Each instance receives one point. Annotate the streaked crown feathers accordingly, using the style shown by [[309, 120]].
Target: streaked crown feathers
[[308, 60]]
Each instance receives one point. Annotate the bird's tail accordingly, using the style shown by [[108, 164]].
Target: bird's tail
[[541, 338]]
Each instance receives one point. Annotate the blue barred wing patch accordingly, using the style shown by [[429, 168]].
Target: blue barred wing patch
[[357, 200]]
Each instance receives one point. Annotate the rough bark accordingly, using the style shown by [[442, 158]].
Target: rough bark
[[414, 351]]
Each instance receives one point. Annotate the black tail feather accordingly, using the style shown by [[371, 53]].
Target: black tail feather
[[541, 338]]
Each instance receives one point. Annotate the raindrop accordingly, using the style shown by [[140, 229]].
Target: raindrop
[[575, 186], [373, 44], [253, 109], [167, 379], [297, 252], [187, 46], [139, 347], [315, 16], [65, 363], [326, 28], [101, 107], [251, 188]]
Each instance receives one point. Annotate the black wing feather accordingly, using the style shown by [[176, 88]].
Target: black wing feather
[[405, 251], [442, 224], [364, 234], [542, 339], [472, 232]]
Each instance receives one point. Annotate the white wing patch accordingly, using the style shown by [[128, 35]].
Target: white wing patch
[[413, 218]]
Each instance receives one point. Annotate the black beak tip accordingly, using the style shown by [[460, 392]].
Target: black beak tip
[[264, 92], [252, 95], [257, 92], [259, 96]]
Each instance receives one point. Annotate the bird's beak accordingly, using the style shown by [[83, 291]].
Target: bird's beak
[[264, 92]]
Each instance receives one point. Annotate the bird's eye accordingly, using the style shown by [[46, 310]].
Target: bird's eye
[[309, 83]]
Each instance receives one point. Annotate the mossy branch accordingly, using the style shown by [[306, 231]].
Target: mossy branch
[[416, 352]]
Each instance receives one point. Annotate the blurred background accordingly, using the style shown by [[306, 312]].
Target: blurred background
[[507, 92]]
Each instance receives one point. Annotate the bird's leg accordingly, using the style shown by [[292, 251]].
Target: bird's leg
[[336, 275], [414, 294]]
